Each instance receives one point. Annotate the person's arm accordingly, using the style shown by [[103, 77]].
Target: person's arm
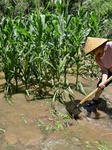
[[104, 77]]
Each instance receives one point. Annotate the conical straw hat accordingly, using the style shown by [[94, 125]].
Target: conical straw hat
[[92, 43]]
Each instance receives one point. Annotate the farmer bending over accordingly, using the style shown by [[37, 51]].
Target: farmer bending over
[[102, 50]]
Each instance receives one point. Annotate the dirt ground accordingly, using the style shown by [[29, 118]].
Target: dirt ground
[[32, 125]]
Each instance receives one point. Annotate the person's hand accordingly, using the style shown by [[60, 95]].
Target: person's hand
[[101, 85]]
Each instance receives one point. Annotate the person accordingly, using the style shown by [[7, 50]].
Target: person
[[101, 48]]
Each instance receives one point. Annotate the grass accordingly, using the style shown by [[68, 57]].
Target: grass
[[9, 146], [56, 122]]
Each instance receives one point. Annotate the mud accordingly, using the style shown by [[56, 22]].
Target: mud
[[32, 125]]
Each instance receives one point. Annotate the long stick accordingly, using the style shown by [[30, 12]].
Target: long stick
[[93, 92]]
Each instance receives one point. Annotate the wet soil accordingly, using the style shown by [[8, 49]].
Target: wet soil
[[33, 125]]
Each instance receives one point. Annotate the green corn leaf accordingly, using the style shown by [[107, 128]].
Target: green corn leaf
[[80, 88], [43, 20], [23, 31], [62, 64], [47, 62]]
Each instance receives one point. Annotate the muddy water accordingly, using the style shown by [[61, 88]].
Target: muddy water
[[20, 128]]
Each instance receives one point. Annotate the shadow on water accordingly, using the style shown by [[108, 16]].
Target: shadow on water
[[103, 106]]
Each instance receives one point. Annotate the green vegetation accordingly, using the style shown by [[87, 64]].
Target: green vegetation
[[9, 146], [41, 43], [55, 123], [99, 144]]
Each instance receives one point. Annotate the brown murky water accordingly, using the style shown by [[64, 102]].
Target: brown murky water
[[32, 125]]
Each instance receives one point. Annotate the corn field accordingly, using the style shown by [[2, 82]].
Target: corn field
[[41, 48]]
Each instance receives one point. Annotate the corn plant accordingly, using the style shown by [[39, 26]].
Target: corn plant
[[38, 49]]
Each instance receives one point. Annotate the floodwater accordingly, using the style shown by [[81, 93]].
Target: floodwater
[[32, 125]]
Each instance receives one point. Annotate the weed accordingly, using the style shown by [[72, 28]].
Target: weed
[[9, 146]]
